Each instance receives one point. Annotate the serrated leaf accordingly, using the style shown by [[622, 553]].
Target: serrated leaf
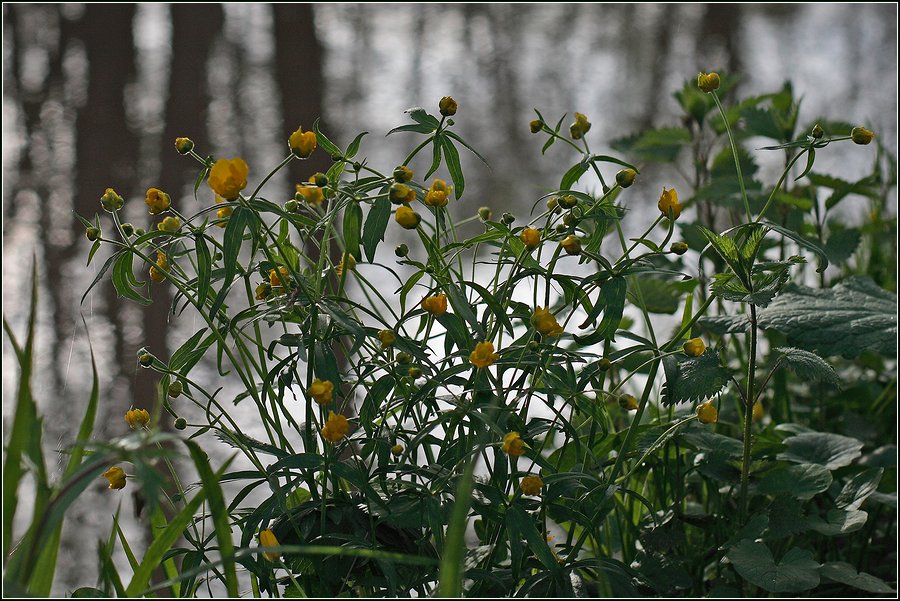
[[693, 378], [725, 324], [822, 448], [843, 572], [799, 481], [796, 572], [842, 244], [809, 366], [854, 316], [839, 522]]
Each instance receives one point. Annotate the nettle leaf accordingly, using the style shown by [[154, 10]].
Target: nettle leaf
[[725, 324], [799, 481], [809, 366], [796, 572], [693, 378], [838, 522], [854, 316], [842, 243], [822, 448], [843, 572]]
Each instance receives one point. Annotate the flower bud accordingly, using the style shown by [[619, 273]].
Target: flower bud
[[861, 135], [387, 338], [180, 423], [679, 248], [625, 177], [357, 166], [157, 200], [534, 346], [448, 106], [145, 359], [508, 218], [401, 250], [175, 389], [92, 233], [139, 231], [404, 358], [184, 145], [552, 203], [604, 364], [401, 194], [169, 224], [397, 450], [127, 229], [580, 127], [291, 206], [758, 411], [567, 201], [571, 244], [569, 220], [263, 291], [111, 201], [531, 238], [485, 213], [817, 132], [414, 372], [531, 486], [536, 126], [320, 179], [403, 174], [669, 200], [707, 82], [137, 418], [707, 413], [116, 477], [694, 347], [407, 218], [628, 402]]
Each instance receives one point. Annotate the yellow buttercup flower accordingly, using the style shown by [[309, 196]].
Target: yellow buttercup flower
[[280, 278], [545, 323], [157, 200], [580, 127], [267, 539], [531, 238], [707, 82], [531, 485], [137, 418], [407, 218], [628, 402], [401, 194], [669, 200], [224, 213], [387, 338], [483, 355], [228, 177], [438, 194], [263, 291], [694, 347], [513, 444], [169, 224], [347, 262], [707, 413], [436, 305], [403, 174], [336, 428], [116, 477], [161, 263], [321, 391], [302, 143], [571, 244]]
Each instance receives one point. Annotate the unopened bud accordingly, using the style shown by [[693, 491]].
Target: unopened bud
[[145, 359], [485, 213], [404, 358], [817, 131], [679, 248], [127, 229], [448, 106], [184, 145], [536, 126], [401, 250], [180, 423], [92, 233], [508, 218], [175, 389], [861, 135], [625, 177]]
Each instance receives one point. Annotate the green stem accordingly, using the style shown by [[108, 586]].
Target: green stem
[[748, 416], [734, 151]]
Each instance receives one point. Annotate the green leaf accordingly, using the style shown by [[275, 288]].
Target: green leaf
[[659, 295], [323, 141], [231, 247], [796, 572], [693, 378], [453, 166], [376, 224], [87, 592], [842, 243], [572, 175], [450, 579], [352, 225], [412, 127], [611, 302], [123, 277], [519, 523], [804, 242], [353, 148], [809, 366], [204, 268], [822, 448], [799, 481], [854, 316], [725, 324], [811, 158], [657, 145], [420, 115], [839, 522], [858, 488], [843, 572]]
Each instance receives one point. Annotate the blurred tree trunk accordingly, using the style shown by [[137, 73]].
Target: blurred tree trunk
[[298, 71], [719, 27]]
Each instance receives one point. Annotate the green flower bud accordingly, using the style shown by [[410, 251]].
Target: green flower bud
[[401, 250], [320, 179], [127, 229], [485, 213], [707, 82], [403, 174], [508, 218], [180, 423], [92, 233], [145, 359], [679, 248], [111, 201], [625, 177], [291, 206], [861, 135], [567, 201], [604, 364], [415, 373], [175, 389], [184, 145], [536, 126], [139, 231], [448, 106], [817, 131], [404, 358]]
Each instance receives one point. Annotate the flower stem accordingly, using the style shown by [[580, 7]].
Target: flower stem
[[748, 416], [737, 160]]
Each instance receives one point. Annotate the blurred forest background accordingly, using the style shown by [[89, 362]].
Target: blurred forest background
[[94, 96]]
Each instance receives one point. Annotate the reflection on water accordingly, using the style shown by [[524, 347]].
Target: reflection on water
[[94, 95]]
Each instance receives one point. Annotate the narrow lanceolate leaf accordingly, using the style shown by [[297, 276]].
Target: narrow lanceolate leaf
[[854, 316], [231, 246], [123, 279], [453, 166], [809, 366], [376, 224], [352, 226]]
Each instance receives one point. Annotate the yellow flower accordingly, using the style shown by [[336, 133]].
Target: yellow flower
[[321, 391], [407, 218], [483, 355], [436, 305], [707, 82], [545, 323], [580, 127], [536, 126], [628, 402], [111, 201], [335, 428], [513, 444], [184, 145], [694, 347], [401, 194], [625, 177], [531, 485], [137, 418], [302, 144], [707, 413], [350, 264], [263, 291], [403, 174], [861, 135], [531, 238], [169, 224], [228, 177], [161, 263], [223, 214], [758, 411], [314, 195], [387, 338], [157, 200], [571, 244], [438, 194], [448, 106], [267, 539], [669, 200], [116, 477], [280, 278]]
